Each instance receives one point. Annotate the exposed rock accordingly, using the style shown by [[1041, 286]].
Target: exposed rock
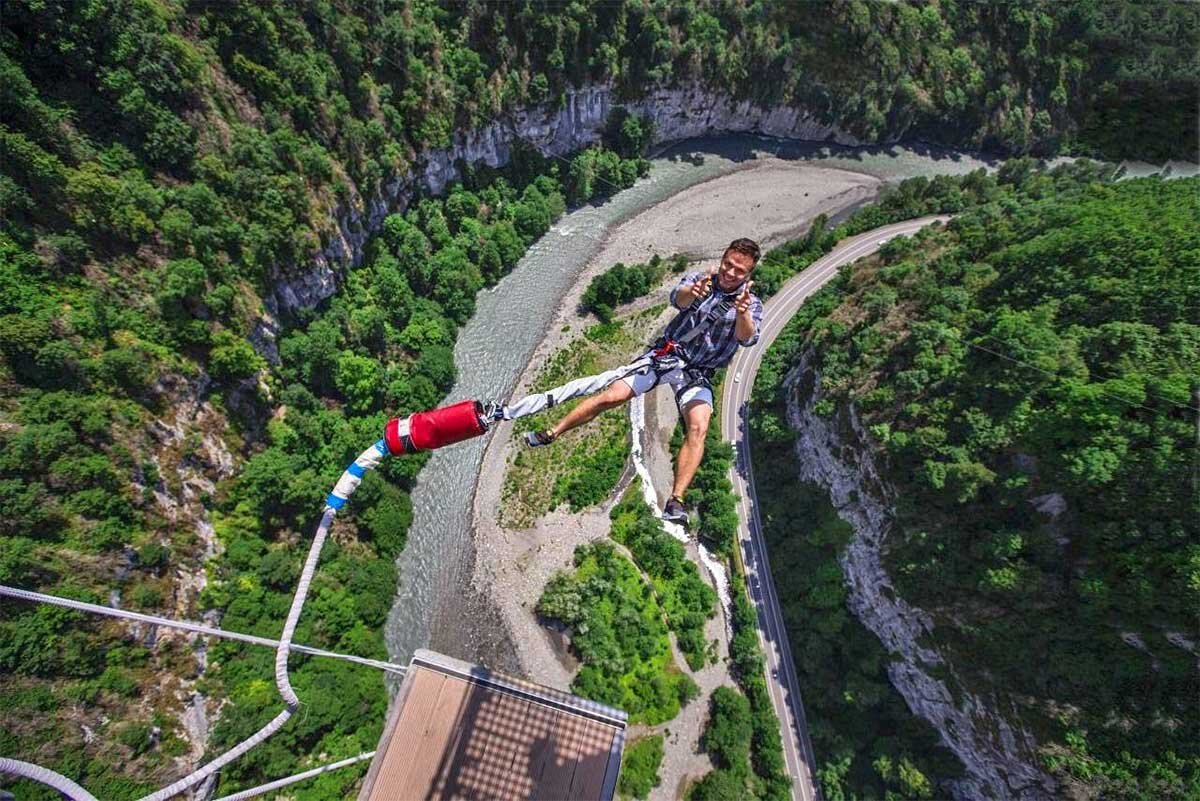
[[195, 722], [1051, 505], [999, 760], [190, 439], [1181, 641], [263, 338], [1134, 640]]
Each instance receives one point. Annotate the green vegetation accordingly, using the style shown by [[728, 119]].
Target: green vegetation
[[620, 284], [1042, 347], [1112, 79], [163, 164], [727, 735], [639, 766], [597, 171], [685, 596], [859, 725], [90, 361], [583, 465], [763, 776], [618, 631], [770, 779], [726, 738]]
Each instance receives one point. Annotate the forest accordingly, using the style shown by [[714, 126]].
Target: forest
[[618, 631], [165, 164], [1042, 349]]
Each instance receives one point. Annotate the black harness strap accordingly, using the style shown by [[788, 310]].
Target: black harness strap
[[665, 345]]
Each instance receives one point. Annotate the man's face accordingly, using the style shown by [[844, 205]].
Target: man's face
[[735, 266]]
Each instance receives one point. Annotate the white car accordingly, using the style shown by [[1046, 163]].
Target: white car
[[737, 378]]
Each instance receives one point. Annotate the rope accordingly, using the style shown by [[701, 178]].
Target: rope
[[299, 777], [351, 477], [539, 401], [197, 776], [367, 460], [26, 770], [187, 625]]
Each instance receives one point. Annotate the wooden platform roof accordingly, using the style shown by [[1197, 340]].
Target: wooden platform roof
[[459, 731]]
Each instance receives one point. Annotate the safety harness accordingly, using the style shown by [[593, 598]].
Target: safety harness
[[671, 353], [667, 354], [665, 346]]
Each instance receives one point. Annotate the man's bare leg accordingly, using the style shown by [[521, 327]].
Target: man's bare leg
[[617, 393], [695, 416]]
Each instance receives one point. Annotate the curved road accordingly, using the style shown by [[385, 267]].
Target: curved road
[[782, 683]]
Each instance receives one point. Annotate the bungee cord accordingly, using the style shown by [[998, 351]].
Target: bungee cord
[[349, 481]]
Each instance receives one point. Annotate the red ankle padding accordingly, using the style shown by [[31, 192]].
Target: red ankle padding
[[428, 431], [446, 425]]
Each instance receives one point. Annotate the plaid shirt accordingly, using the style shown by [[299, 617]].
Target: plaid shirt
[[715, 347]]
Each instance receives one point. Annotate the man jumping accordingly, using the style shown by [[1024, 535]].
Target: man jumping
[[717, 314]]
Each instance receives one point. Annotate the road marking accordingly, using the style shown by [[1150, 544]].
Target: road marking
[[736, 396]]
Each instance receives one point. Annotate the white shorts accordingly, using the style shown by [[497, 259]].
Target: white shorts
[[685, 393]]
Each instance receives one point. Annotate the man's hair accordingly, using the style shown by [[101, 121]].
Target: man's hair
[[746, 246]]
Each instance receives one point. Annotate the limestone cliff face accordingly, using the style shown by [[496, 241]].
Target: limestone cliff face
[[999, 760], [678, 113]]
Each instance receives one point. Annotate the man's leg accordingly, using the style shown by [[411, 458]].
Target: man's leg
[[617, 393], [696, 414]]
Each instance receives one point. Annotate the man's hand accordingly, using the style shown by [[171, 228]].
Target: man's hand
[[699, 289], [743, 300]]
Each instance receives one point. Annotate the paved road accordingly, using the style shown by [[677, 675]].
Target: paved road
[[782, 683]]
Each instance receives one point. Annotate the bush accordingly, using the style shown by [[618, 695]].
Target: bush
[[727, 735], [639, 766], [233, 358]]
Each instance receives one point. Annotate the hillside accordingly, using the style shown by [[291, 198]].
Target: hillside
[[1026, 384], [168, 424]]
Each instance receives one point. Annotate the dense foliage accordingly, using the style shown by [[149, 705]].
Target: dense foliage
[[639, 766], [726, 738], [620, 284], [618, 631], [685, 596], [1028, 378], [163, 163], [859, 725], [82, 372]]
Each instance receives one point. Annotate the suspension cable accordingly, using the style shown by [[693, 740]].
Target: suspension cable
[[187, 625], [299, 777], [349, 481]]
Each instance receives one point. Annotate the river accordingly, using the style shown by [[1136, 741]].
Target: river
[[435, 606]]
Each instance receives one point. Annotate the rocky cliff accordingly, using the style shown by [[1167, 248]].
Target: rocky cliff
[[999, 759], [678, 113]]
